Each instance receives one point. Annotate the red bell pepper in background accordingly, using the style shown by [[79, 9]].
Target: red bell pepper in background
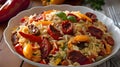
[[2, 1], [31, 37], [11, 7]]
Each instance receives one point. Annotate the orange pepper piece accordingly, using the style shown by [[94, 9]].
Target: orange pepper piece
[[46, 12], [44, 22], [81, 38], [80, 15]]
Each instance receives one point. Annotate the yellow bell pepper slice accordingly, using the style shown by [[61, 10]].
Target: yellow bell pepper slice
[[57, 61], [27, 51]]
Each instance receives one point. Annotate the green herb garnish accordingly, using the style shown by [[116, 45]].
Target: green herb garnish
[[62, 15], [72, 18], [95, 4]]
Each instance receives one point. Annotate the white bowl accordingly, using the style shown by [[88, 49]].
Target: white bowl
[[107, 21]]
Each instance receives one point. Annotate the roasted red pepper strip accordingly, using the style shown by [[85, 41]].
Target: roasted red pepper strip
[[19, 49], [31, 37]]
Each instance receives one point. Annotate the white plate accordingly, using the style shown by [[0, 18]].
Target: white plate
[[107, 21]]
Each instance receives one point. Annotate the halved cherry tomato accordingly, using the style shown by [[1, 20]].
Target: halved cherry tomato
[[53, 32], [45, 47], [67, 27], [31, 37], [19, 49]]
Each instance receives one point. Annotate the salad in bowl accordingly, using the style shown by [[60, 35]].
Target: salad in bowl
[[56, 37]]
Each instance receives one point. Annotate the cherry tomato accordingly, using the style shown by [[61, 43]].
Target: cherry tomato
[[53, 32], [45, 48], [19, 49], [67, 27]]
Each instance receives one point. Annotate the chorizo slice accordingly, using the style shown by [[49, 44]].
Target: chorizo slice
[[92, 16], [45, 48], [77, 56], [14, 38], [34, 30], [95, 32], [109, 40]]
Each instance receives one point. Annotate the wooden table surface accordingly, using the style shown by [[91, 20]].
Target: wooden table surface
[[8, 59]]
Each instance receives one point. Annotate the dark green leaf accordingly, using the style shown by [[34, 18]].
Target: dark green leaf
[[62, 15], [72, 18]]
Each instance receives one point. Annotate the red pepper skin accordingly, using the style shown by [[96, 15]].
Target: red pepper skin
[[54, 33], [31, 37], [11, 7], [42, 61], [19, 49]]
